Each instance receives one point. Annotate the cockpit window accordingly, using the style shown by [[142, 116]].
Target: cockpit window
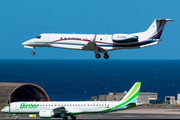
[[39, 36]]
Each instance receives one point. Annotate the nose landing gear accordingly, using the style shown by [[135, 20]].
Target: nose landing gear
[[33, 52]]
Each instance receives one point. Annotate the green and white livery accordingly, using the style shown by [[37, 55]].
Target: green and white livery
[[63, 109]]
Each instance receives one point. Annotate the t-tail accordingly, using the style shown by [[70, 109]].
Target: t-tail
[[152, 35]]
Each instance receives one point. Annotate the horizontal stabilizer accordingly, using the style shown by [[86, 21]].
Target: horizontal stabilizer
[[166, 20], [141, 103]]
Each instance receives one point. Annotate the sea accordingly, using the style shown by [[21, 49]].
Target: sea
[[76, 80]]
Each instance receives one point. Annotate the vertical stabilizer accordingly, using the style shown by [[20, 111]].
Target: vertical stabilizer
[[156, 29], [132, 95]]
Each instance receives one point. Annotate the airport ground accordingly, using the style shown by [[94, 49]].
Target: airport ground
[[154, 112]]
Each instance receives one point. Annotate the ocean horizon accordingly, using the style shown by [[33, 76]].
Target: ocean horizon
[[71, 80]]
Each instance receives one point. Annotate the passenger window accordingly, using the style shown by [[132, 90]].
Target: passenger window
[[100, 38], [61, 38], [65, 38], [93, 105], [69, 38]]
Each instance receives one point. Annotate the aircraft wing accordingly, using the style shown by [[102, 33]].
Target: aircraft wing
[[92, 46], [59, 110]]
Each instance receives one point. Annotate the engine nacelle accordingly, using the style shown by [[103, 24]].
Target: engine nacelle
[[124, 38], [46, 114]]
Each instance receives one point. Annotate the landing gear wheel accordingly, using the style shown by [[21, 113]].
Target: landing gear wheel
[[65, 118], [73, 117], [106, 56], [16, 118], [33, 53], [98, 55]]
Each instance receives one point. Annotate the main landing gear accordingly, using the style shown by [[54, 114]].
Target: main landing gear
[[65, 118], [106, 56], [72, 118], [15, 118], [98, 56], [33, 52]]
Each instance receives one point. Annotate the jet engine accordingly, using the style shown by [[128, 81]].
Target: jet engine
[[124, 38], [46, 114]]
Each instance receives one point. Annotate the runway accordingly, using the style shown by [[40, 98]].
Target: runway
[[135, 113]]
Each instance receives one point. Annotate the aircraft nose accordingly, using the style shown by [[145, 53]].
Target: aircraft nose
[[23, 43], [26, 43]]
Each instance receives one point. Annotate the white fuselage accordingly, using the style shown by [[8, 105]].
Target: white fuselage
[[78, 41], [61, 109], [100, 43], [77, 107]]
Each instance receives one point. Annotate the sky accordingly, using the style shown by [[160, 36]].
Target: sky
[[22, 20]]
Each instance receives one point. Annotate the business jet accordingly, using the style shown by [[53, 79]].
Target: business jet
[[63, 109], [100, 43]]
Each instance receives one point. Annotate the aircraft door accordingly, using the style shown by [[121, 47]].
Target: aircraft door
[[113, 105], [16, 106], [46, 38]]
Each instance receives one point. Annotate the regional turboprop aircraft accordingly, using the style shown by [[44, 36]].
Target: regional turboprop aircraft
[[64, 109], [100, 43]]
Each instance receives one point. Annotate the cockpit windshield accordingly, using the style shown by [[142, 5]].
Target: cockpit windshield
[[39, 36]]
